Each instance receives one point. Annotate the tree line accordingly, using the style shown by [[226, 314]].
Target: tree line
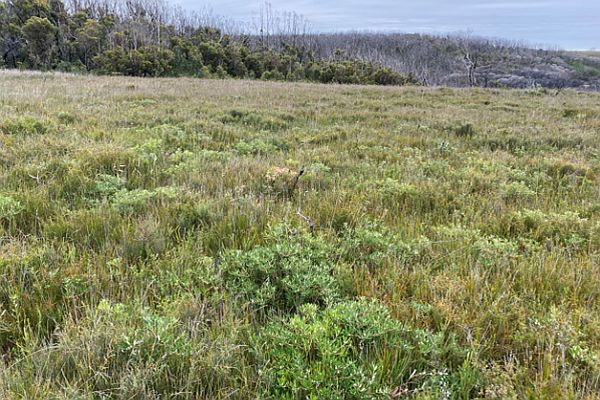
[[153, 38]]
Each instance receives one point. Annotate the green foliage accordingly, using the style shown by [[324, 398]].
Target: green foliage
[[374, 246], [108, 185], [293, 270], [9, 208], [356, 350], [386, 76], [90, 37], [212, 54], [272, 76], [40, 35], [147, 61], [586, 69], [567, 227], [142, 353], [516, 191], [138, 200], [355, 72], [188, 60], [466, 131], [112, 61], [24, 126]]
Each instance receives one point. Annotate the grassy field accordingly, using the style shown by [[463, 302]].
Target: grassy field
[[158, 240]]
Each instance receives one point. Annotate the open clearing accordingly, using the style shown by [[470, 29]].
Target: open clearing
[[155, 240]]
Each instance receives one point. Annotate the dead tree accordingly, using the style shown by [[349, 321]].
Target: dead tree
[[471, 65]]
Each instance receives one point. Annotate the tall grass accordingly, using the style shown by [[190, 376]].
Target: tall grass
[[439, 243]]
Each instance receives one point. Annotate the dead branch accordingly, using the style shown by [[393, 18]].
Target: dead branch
[[294, 184], [309, 221]]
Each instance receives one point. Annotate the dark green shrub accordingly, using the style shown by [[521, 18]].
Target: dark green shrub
[[24, 126], [356, 350], [112, 61], [272, 76], [293, 269], [573, 113], [465, 131], [187, 58], [66, 118], [386, 76], [212, 53], [189, 215], [9, 208], [107, 185]]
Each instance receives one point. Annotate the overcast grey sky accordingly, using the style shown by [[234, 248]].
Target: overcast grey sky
[[569, 24]]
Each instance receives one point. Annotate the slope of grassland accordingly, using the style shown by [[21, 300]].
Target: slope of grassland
[[154, 242]]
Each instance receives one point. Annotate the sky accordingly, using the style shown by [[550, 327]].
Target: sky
[[567, 24]]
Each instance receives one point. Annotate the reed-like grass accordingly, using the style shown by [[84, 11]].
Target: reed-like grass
[[157, 240]]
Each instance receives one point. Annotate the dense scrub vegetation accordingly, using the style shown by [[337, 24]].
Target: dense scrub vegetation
[[155, 38], [143, 38], [157, 240], [466, 60]]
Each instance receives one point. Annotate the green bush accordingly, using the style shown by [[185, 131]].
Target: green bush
[[108, 185], [465, 131], [9, 208], [143, 61], [292, 270], [356, 350], [137, 201], [515, 191], [374, 246], [386, 76], [66, 118], [565, 228], [272, 76], [397, 195], [24, 126]]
